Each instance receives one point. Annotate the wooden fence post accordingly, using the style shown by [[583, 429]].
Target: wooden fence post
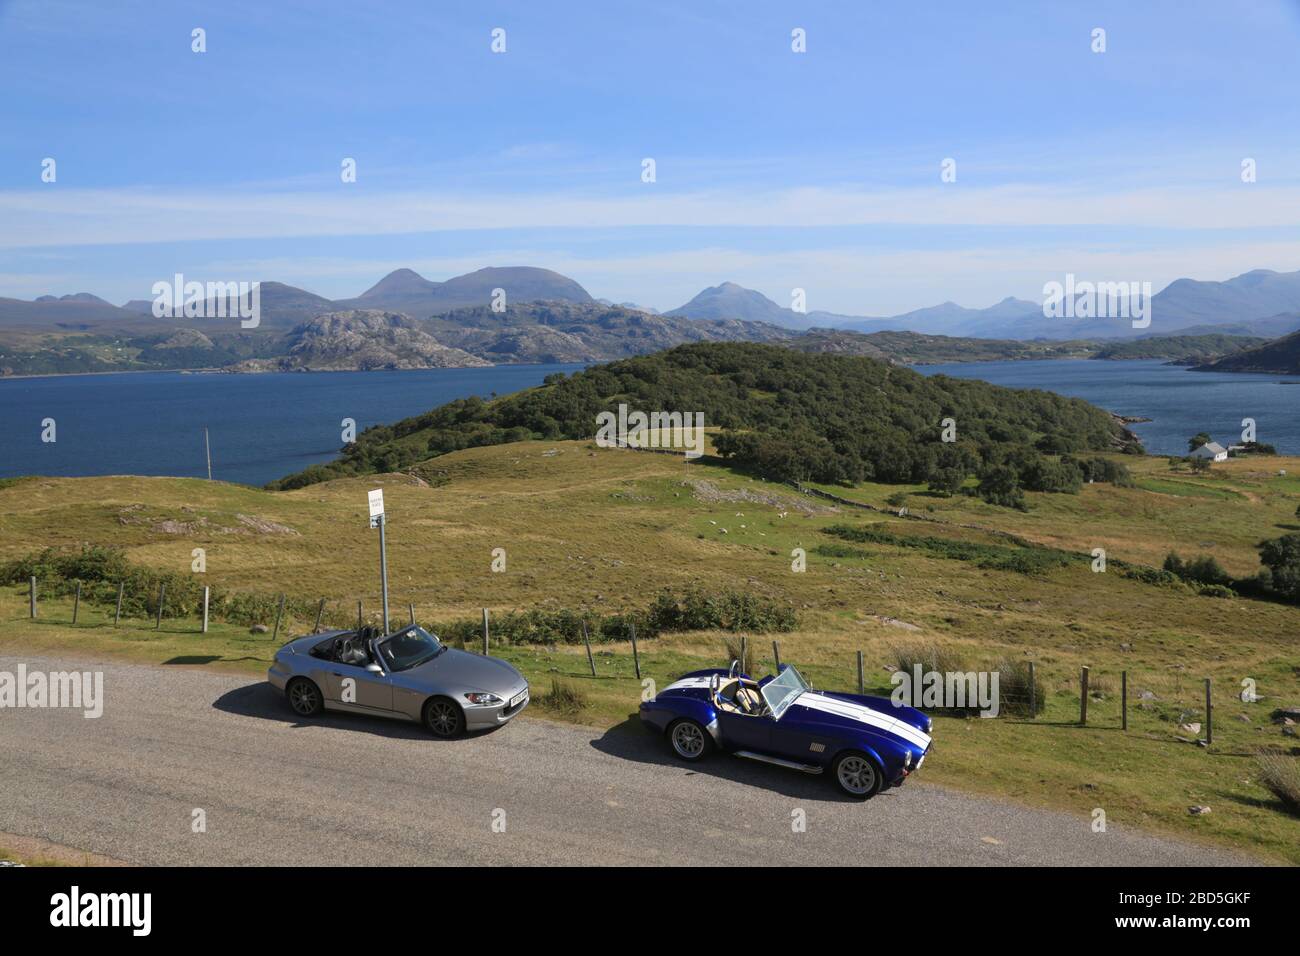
[[411, 608], [1083, 696], [636, 658], [279, 613], [319, 611], [31, 593], [1123, 700], [862, 684], [76, 603], [117, 614], [162, 596], [1209, 715], [776, 656], [358, 614], [743, 648], [586, 639], [207, 592], [485, 632], [1033, 692]]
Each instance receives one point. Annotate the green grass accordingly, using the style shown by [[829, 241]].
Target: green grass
[[605, 530]]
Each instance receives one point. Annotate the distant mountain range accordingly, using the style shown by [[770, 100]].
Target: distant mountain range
[[1260, 303], [405, 320]]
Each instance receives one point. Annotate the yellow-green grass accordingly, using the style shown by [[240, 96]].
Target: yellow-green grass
[[605, 529]]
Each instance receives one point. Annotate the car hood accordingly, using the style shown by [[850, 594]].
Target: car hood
[[835, 711], [470, 672]]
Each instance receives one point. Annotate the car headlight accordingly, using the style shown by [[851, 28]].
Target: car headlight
[[477, 698]]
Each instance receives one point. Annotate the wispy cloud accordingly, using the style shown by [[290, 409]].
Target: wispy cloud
[[56, 216]]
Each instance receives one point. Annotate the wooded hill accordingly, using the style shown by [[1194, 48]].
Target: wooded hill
[[782, 413]]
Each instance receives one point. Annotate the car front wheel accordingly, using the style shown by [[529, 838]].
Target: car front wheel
[[689, 740], [443, 718], [304, 697], [858, 775]]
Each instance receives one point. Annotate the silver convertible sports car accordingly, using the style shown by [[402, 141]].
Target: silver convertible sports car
[[410, 675]]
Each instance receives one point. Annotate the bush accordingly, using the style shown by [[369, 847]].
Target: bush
[[724, 611], [1280, 775], [744, 654], [1000, 485], [100, 570], [1013, 689], [1203, 569], [564, 698], [1281, 556]]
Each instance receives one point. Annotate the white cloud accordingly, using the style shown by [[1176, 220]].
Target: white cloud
[[56, 216]]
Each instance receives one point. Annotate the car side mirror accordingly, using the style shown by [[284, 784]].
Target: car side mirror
[[374, 668]]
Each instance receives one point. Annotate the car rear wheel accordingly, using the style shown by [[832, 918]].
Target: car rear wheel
[[857, 775], [443, 717], [689, 740], [304, 697]]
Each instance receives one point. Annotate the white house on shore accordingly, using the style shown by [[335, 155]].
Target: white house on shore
[[1211, 450]]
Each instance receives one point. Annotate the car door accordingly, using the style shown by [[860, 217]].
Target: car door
[[745, 731], [792, 739], [350, 687]]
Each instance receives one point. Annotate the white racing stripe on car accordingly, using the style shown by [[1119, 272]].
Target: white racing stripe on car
[[690, 682], [846, 708]]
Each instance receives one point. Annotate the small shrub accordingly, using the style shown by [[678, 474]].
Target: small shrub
[[735, 653], [1280, 775], [564, 698], [1013, 689]]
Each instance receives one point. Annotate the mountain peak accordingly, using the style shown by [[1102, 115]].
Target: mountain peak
[[399, 282]]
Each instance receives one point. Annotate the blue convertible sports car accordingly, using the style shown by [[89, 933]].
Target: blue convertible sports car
[[867, 743]]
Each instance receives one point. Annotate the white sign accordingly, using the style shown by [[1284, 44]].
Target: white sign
[[376, 502]]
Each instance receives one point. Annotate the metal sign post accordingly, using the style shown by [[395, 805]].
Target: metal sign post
[[377, 521]]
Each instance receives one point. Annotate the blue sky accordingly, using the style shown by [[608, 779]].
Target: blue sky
[[774, 169]]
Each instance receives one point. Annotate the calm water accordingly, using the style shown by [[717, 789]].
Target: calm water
[[262, 427], [266, 426], [1179, 402]]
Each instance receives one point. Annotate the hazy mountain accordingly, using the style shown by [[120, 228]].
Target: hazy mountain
[[630, 305], [1279, 357], [732, 301], [407, 291]]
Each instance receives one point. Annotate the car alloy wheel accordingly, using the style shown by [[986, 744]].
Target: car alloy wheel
[[304, 698], [688, 739], [857, 775], [443, 718]]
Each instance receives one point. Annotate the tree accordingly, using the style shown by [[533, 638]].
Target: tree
[[1197, 440], [1000, 486], [1200, 465], [947, 481], [1282, 557]]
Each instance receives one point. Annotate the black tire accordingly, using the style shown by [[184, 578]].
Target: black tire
[[304, 697], [688, 740], [444, 718], [857, 775]]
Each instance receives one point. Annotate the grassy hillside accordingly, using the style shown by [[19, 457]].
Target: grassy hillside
[[606, 529]]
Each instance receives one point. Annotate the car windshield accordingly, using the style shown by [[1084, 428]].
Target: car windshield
[[780, 692], [409, 648]]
